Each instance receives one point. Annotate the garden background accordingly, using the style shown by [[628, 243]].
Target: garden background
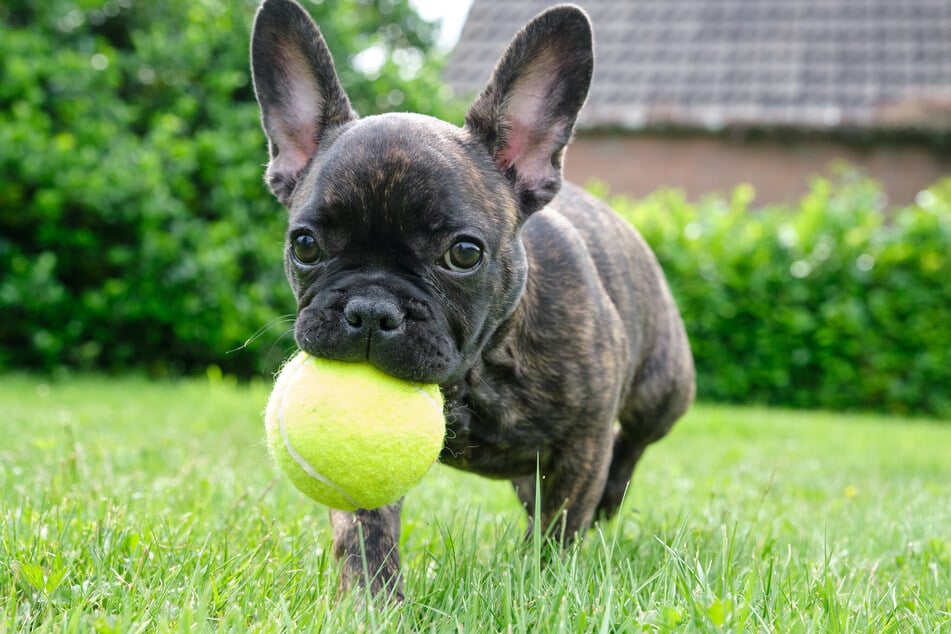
[[137, 233], [143, 309]]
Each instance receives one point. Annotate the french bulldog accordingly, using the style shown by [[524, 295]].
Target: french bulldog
[[456, 256]]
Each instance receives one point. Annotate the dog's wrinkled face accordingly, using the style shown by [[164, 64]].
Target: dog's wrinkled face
[[402, 248], [403, 242]]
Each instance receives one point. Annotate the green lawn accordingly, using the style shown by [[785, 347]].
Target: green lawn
[[133, 506]]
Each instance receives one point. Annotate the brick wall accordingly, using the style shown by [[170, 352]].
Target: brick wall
[[780, 171]]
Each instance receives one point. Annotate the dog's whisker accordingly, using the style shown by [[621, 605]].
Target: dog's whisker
[[288, 350], [263, 329]]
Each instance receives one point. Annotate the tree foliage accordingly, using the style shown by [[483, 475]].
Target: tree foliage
[[136, 229], [836, 302]]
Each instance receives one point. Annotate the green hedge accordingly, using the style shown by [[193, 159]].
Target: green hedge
[[135, 228], [836, 302], [136, 232]]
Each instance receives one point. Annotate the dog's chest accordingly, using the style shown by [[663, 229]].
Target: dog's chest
[[495, 426]]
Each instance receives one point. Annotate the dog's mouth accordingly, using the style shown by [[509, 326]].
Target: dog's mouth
[[391, 341]]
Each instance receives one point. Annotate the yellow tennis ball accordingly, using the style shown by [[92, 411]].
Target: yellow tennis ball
[[350, 436]]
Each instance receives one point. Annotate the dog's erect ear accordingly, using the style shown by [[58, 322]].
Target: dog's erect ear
[[526, 113], [297, 88]]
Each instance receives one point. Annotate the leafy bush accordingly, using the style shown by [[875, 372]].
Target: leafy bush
[[135, 229], [834, 303], [136, 232]]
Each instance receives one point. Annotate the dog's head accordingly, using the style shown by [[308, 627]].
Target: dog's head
[[403, 242]]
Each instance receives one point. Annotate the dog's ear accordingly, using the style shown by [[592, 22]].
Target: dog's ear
[[297, 88], [526, 113]]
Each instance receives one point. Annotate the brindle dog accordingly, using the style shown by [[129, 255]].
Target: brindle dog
[[455, 256]]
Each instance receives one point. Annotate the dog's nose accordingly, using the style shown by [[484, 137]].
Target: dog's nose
[[369, 316]]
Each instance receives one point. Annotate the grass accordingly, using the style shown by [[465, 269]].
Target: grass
[[130, 506]]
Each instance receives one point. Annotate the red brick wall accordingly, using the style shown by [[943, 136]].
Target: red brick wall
[[780, 171]]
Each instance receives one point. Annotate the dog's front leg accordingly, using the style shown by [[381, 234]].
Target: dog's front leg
[[367, 543], [572, 484]]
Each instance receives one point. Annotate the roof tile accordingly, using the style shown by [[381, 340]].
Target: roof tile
[[809, 63]]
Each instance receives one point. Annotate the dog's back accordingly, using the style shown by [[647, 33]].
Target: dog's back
[[659, 384]]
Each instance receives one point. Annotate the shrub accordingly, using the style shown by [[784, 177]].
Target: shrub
[[136, 232], [834, 303], [135, 229]]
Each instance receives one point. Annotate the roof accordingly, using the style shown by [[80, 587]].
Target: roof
[[743, 63]]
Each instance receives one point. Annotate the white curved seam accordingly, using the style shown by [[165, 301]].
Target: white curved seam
[[429, 398], [299, 459]]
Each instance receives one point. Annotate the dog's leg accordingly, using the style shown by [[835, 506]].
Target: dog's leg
[[367, 542], [572, 484], [623, 460], [648, 415], [525, 490]]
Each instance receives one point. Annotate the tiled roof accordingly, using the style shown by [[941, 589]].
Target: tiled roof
[[722, 63]]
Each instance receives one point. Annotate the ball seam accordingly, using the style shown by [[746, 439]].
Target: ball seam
[[299, 459], [429, 398]]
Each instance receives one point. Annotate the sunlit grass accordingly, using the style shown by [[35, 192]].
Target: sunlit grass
[[134, 506]]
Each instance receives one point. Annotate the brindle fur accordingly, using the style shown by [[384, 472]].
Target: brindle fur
[[562, 353]]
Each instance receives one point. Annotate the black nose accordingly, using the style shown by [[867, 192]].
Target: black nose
[[365, 315]]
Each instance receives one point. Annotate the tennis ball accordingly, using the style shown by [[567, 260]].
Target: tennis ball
[[350, 436]]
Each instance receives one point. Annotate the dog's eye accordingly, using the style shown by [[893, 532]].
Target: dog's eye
[[305, 248], [462, 257]]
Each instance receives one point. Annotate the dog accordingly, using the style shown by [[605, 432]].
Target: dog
[[456, 256]]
